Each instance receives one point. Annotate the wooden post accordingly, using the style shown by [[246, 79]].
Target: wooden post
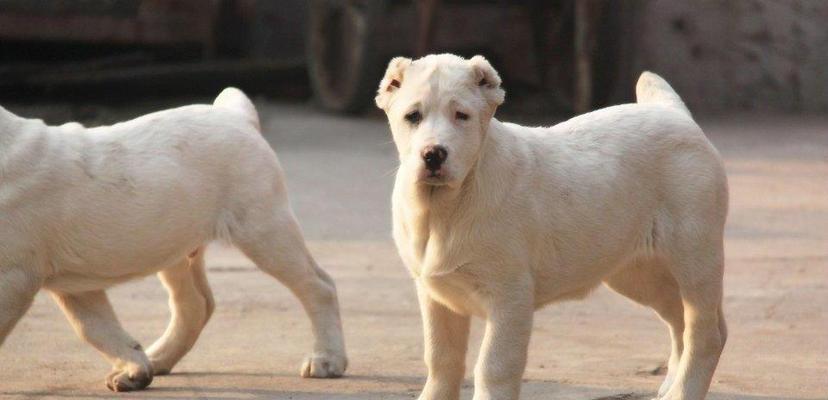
[[426, 10], [584, 43]]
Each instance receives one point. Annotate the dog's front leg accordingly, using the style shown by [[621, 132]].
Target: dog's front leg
[[18, 286], [445, 335], [94, 320], [191, 304], [502, 358]]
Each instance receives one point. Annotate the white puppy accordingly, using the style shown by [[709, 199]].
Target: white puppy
[[495, 219], [84, 209]]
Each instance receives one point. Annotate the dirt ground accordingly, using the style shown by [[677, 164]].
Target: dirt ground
[[340, 174]]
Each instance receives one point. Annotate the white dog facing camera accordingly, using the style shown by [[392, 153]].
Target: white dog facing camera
[[496, 220]]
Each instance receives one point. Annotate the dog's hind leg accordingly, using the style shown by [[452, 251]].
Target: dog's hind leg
[[191, 305], [95, 322], [273, 241], [698, 269], [17, 290], [650, 283]]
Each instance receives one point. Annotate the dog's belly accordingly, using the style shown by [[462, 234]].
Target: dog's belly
[[95, 265], [559, 280], [73, 282], [550, 292]]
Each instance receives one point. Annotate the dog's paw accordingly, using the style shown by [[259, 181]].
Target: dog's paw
[[324, 365], [123, 380]]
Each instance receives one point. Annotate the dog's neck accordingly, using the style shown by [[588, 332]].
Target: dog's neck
[[10, 127], [17, 131]]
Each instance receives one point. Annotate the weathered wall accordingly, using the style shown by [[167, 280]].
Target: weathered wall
[[739, 54]]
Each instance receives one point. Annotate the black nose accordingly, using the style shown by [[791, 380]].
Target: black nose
[[434, 156]]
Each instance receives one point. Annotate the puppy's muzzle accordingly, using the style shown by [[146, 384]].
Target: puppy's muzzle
[[434, 157]]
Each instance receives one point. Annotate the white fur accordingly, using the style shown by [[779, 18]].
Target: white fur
[[83, 209], [633, 196]]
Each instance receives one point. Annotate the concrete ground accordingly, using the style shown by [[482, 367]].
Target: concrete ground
[[340, 173]]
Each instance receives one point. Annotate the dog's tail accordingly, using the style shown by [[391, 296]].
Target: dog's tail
[[235, 99], [652, 88]]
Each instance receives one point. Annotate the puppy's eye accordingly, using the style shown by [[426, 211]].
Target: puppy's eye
[[461, 116], [413, 117]]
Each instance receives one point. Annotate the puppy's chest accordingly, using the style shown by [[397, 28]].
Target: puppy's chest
[[442, 264], [454, 289]]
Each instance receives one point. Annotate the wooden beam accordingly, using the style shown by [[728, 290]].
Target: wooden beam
[[584, 45], [426, 12]]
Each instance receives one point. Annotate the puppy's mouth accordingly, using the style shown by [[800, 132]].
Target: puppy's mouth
[[434, 182], [433, 177]]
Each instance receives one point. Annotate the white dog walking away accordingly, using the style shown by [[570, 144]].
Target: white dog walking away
[[84, 209], [495, 220]]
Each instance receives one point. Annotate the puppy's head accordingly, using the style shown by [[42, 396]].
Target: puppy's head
[[439, 108]]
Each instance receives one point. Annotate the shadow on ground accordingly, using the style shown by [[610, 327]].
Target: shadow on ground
[[249, 390]]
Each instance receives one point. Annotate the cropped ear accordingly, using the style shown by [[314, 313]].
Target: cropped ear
[[392, 81], [488, 80]]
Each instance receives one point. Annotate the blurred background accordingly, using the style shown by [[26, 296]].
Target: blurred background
[[555, 56], [753, 72]]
